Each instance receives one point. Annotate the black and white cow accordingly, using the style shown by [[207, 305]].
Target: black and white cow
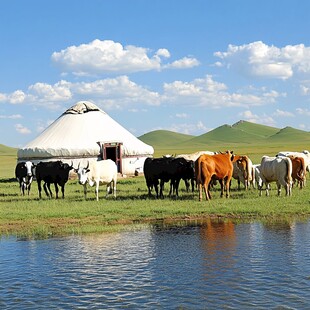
[[24, 175], [157, 171], [55, 172]]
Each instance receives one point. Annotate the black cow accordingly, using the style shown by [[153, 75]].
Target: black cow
[[160, 170], [55, 172], [24, 175]]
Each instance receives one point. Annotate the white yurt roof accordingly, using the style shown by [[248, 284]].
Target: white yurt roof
[[76, 133]]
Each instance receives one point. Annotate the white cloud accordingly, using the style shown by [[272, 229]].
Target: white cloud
[[260, 60], [116, 92], [209, 93], [44, 92], [185, 62], [181, 115], [107, 56], [303, 111], [21, 129], [258, 119], [281, 113]]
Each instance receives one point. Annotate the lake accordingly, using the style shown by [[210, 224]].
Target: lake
[[202, 265]]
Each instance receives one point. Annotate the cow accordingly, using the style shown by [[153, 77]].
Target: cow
[[24, 175], [217, 166], [98, 172], [276, 169], [306, 156], [157, 171], [298, 170], [243, 171], [194, 156], [53, 172]]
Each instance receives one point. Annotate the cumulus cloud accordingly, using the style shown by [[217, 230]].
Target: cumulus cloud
[[121, 92], [260, 60], [210, 93], [22, 129], [107, 56], [45, 92], [185, 62]]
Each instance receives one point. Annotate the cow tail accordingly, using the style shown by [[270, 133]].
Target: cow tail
[[289, 170], [302, 169], [198, 171]]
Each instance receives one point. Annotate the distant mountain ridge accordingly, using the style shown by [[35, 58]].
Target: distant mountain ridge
[[242, 132]]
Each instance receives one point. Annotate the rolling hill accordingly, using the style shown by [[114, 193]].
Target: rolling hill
[[240, 133]]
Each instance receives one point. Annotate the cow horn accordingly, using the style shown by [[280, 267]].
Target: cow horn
[[87, 164]]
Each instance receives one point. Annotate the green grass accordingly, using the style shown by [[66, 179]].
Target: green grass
[[31, 217]]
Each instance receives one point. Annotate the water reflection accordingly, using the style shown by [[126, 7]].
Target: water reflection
[[190, 265]]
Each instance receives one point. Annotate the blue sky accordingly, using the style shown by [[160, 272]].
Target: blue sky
[[185, 66]]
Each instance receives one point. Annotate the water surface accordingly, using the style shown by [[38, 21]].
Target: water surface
[[211, 265]]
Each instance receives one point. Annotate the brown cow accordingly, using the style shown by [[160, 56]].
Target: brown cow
[[214, 167], [243, 171], [298, 170]]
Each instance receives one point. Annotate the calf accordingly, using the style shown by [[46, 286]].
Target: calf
[[55, 172], [24, 175], [98, 172]]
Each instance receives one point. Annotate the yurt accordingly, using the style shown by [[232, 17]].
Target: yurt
[[86, 133]]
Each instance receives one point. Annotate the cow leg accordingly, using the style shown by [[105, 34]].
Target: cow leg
[[108, 189], [186, 185], [227, 187], [47, 186], [97, 191], [63, 191], [21, 187], [176, 184], [161, 189], [56, 190], [156, 187], [85, 191], [172, 187], [114, 188], [39, 188]]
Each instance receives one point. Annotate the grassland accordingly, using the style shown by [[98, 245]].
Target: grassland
[[31, 217]]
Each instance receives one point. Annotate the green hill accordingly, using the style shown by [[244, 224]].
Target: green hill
[[164, 138], [242, 136], [6, 150], [229, 134], [256, 129], [289, 134]]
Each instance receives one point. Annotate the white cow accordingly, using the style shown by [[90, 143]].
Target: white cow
[[99, 172], [279, 170], [194, 156]]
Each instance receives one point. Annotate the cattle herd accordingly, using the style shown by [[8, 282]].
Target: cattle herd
[[200, 170]]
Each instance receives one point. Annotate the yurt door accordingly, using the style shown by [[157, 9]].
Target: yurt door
[[113, 151]]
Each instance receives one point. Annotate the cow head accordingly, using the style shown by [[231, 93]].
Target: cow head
[[82, 173], [29, 167]]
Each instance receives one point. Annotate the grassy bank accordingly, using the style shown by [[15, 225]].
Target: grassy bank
[[31, 217]]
